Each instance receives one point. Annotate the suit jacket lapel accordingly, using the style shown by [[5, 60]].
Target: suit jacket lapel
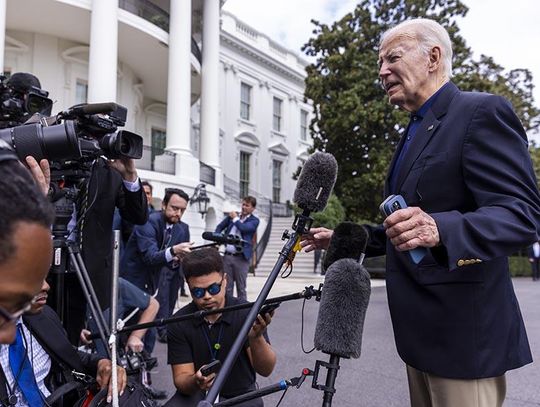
[[425, 132], [45, 331], [421, 139]]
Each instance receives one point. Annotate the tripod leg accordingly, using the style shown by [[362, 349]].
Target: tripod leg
[[90, 295]]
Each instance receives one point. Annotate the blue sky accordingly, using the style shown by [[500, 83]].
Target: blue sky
[[507, 31]]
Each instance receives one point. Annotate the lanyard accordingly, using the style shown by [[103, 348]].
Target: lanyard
[[214, 349]]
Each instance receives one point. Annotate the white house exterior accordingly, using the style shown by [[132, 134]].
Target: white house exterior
[[219, 102]]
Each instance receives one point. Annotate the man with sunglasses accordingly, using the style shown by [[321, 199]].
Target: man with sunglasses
[[153, 254], [195, 343]]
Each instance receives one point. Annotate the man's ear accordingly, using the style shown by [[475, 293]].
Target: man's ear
[[435, 57]]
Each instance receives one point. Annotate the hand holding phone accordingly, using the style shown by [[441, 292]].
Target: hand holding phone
[[392, 204], [212, 367], [265, 309]]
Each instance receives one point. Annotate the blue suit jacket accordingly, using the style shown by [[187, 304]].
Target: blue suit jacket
[[144, 255], [455, 314], [247, 230]]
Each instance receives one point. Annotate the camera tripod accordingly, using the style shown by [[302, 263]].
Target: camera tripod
[[67, 258]]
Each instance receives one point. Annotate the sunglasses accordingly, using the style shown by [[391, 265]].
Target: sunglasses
[[213, 289]]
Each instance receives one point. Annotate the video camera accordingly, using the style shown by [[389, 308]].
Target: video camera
[[20, 101], [81, 133]]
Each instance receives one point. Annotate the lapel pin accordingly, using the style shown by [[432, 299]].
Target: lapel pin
[[430, 127]]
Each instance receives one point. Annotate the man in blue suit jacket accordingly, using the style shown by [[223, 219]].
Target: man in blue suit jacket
[[154, 251], [465, 172], [236, 261]]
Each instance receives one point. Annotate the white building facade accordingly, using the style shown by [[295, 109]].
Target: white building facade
[[215, 101]]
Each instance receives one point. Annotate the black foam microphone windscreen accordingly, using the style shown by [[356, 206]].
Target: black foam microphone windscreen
[[315, 182], [349, 241], [342, 310]]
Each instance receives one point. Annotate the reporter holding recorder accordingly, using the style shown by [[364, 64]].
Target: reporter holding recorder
[[464, 170]]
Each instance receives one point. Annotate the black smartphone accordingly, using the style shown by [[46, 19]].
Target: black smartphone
[[268, 308], [212, 367]]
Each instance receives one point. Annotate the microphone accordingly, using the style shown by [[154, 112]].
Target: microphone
[[315, 182], [349, 240], [342, 310], [224, 239]]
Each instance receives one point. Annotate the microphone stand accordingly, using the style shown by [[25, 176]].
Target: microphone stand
[[328, 388], [308, 293], [283, 384], [302, 223]]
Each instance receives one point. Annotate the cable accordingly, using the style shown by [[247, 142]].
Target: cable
[[282, 396], [302, 331]]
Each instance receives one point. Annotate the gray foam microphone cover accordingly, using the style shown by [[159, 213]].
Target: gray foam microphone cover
[[315, 182], [342, 310]]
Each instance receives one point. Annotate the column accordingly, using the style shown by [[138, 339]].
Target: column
[[210, 85], [103, 58], [179, 78], [2, 33], [179, 92]]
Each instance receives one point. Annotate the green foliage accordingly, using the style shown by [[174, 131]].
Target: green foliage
[[333, 214], [535, 156], [519, 266], [352, 118]]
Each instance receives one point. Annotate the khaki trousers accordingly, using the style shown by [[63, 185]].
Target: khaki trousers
[[427, 390]]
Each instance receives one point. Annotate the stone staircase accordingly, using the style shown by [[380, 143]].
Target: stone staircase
[[303, 262]]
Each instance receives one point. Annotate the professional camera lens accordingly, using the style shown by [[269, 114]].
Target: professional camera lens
[[58, 142], [122, 144]]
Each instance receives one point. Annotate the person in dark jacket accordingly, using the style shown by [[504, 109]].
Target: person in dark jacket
[[50, 356]]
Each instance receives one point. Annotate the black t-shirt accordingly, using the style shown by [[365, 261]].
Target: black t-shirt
[[194, 341]]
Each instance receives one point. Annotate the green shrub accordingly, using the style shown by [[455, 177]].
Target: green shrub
[[519, 266]]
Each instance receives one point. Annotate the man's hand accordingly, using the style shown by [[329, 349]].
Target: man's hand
[[181, 249], [41, 173], [126, 168], [260, 324], [204, 382], [233, 214], [316, 238], [134, 343], [85, 336], [411, 228], [104, 374]]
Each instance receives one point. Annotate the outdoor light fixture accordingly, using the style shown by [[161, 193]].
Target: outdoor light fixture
[[201, 199]]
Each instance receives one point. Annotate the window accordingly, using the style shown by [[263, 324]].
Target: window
[[81, 92], [276, 181], [245, 101], [159, 142], [244, 174], [276, 122], [303, 125]]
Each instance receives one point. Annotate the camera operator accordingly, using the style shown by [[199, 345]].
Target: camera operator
[[112, 183]]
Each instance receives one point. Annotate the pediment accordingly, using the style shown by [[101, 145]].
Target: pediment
[[248, 138], [14, 45], [78, 54], [279, 148]]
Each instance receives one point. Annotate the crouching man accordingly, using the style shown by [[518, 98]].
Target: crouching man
[[197, 342]]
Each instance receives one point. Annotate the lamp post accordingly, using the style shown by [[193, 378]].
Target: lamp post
[[201, 198]]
